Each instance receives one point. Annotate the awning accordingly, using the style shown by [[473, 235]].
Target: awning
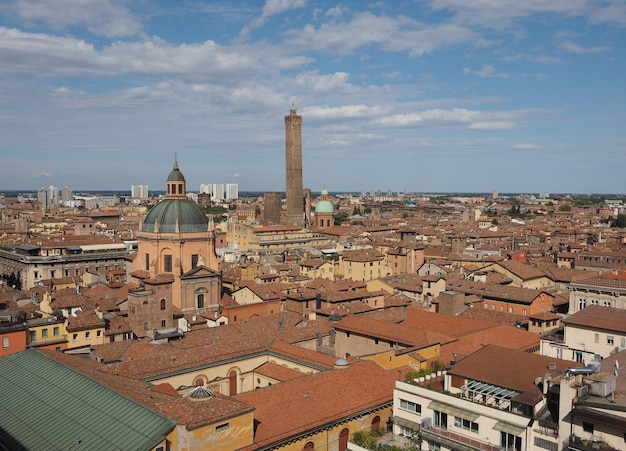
[[452, 410], [508, 428], [406, 423]]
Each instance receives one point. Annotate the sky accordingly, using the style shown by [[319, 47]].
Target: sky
[[409, 96]]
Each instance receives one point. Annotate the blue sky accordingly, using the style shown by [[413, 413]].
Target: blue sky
[[417, 96]]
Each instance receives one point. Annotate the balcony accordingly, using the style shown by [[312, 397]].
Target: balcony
[[455, 441], [55, 339], [575, 443]]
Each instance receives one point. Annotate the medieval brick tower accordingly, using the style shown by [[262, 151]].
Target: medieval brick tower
[[293, 145]]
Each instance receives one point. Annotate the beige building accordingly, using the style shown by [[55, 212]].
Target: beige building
[[272, 238], [177, 241], [363, 265]]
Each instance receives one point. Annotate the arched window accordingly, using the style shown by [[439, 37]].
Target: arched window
[[375, 423], [343, 439], [162, 304], [232, 379], [309, 447], [199, 382]]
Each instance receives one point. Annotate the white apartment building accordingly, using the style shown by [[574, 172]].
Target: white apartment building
[[232, 191], [494, 399], [593, 330], [216, 190], [139, 191]]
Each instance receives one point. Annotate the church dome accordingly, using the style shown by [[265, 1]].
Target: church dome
[[186, 213], [177, 213], [176, 175], [324, 205]]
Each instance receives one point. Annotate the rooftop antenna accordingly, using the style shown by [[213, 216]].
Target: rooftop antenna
[[293, 104]]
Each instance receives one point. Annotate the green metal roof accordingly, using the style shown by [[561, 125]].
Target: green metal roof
[[187, 213], [47, 405]]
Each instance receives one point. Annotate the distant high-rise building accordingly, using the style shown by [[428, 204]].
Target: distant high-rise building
[[67, 196], [53, 195], [494, 195], [217, 192], [42, 197], [232, 191], [293, 147], [272, 207], [139, 191]]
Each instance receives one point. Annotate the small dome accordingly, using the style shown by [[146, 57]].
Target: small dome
[[166, 214], [324, 205], [341, 363], [176, 175]]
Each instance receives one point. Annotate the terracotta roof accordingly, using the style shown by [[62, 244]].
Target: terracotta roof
[[290, 409], [402, 334], [277, 372], [508, 368], [598, 317], [516, 338]]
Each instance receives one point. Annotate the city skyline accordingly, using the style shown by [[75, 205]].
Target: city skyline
[[419, 96]]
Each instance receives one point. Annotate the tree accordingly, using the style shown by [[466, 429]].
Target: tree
[[565, 207], [340, 218], [619, 222], [494, 221]]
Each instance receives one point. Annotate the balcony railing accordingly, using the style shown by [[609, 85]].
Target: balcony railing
[[48, 340], [575, 443], [454, 440]]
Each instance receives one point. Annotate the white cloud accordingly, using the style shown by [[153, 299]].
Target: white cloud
[[272, 8], [526, 147], [43, 55], [324, 83], [397, 34], [575, 48], [501, 13], [346, 111], [474, 120], [103, 17], [487, 71]]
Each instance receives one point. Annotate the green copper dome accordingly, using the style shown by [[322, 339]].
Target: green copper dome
[[176, 175], [324, 205], [189, 216]]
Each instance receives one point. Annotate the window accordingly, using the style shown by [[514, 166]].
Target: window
[[145, 326], [55, 332], [440, 419], [466, 424], [525, 312], [44, 333], [194, 260], [162, 304], [5, 342], [510, 441], [87, 335], [582, 303], [596, 338], [98, 333], [622, 342], [610, 340], [163, 323], [74, 337], [147, 262], [510, 309], [200, 300], [407, 432], [167, 263], [222, 427], [410, 406]]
